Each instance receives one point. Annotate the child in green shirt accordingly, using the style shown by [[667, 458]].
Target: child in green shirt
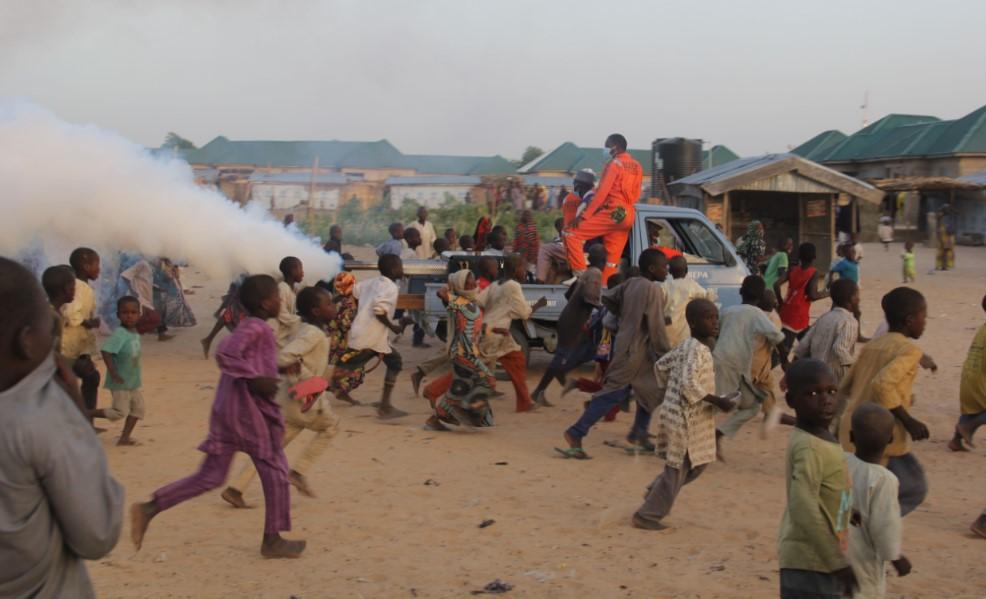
[[815, 529], [121, 353]]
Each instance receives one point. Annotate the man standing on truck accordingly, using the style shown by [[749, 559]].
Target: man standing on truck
[[572, 204], [610, 215]]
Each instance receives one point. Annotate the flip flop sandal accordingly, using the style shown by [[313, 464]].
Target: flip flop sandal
[[573, 453]]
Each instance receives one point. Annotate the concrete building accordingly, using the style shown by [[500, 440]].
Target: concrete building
[[431, 191]]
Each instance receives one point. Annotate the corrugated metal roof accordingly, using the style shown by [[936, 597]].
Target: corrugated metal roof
[[820, 145], [570, 158], [301, 178], [458, 165], [744, 171], [435, 180]]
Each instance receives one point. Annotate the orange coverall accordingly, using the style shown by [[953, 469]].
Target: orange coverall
[[610, 214], [569, 207]]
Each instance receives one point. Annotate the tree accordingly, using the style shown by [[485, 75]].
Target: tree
[[531, 153], [173, 140]]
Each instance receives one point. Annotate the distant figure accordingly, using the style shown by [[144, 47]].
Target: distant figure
[[802, 289], [778, 264], [483, 226], [288, 220], [497, 241], [453, 239], [395, 245], [428, 236], [413, 243], [946, 238], [552, 259], [885, 231], [441, 246], [908, 263], [466, 243], [60, 505], [527, 241], [752, 248], [334, 244]]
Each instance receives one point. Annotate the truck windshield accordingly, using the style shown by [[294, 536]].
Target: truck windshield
[[689, 236]]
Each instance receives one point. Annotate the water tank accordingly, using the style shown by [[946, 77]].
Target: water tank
[[678, 157]]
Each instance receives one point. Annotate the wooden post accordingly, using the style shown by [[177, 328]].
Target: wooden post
[[727, 217]]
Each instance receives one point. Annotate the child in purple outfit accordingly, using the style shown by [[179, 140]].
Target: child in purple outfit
[[245, 417]]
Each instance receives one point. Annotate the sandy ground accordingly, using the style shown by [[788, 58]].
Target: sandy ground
[[562, 528]]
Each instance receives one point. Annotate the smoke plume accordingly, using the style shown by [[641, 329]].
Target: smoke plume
[[67, 185]]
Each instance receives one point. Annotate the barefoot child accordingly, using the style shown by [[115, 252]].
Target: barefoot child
[[286, 323], [121, 353], [686, 439], [814, 530], [80, 325], [229, 314], [762, 369], [802, 290], [60, 505], [874, 538], [884, 374], [832, 339], [305, 356], [907, 260], [972, 392], [369, 337], [640, 341], [245, 417]]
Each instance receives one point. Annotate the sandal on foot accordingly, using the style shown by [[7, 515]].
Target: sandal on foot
[[639, 522], [573, 453], [234, 497]]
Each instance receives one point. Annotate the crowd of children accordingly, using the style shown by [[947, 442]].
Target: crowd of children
[[851, 474]]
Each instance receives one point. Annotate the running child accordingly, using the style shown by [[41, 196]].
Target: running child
[[884, 374], [680, 290], [305, 356], [832, 339], [229, 314], [121, 353], [813, 540], [686, 439], [59, 286], [369, 336], [972, 392], [848, 267], [287, 321], [874, 538], [766, 356], [81, 323], [802, 289], [245, 417]]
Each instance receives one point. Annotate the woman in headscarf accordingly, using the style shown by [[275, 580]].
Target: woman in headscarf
[[343, 379], [169, 296], [752, 247], [462, 396]]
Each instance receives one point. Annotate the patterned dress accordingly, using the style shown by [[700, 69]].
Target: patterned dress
[[688, 424], [466, 401], [343, 379]]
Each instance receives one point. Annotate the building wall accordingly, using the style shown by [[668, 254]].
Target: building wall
[[431, 196], [953, 166], [274, 196]]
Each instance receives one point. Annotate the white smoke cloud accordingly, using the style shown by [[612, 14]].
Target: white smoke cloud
[[67, 185]]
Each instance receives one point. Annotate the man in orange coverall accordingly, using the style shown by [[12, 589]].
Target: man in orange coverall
[[610, 214]]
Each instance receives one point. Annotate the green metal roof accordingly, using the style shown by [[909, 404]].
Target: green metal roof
[[902, 136], [341, 154], [820, 145], [569, 158]]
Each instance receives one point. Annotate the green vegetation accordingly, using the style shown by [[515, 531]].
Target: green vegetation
[[370, 226]]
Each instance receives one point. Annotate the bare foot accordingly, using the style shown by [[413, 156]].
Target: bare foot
[[965, 432], [344, 397], [956, 445], [205, 348], [540, 399], [140, 518], [720, 454], [298, 481], [434, 424], [127, 441], [416, 377], [234, 497], [274, 546], [389, 413]]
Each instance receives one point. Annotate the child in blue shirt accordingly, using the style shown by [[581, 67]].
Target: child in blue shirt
[[848, 267], [121, 353]]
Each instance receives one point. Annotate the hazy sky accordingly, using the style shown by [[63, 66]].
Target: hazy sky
[[492, 76]]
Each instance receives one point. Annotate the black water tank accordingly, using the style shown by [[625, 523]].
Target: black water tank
[[678, 157]]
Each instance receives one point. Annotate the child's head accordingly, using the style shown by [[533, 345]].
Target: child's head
[[498, 238], [703, 319], [526, 217], [845, 294], [466, 243], [785, 244], [488, 268], [442, 245], [128, 311], [391, 266], [751, 291], [806, 253], [597, 256], [59, 284], [85, 263], [769, 301], [653, 264], [292, 270], [450, 235], [615, 280], [412, 237], [259, 296], [811, 392], [335, 233], [909, 246], [422, 214], [559, 225], [906, 311], [315, 306], [396, 231], [849, 251], [25, 324], [678, 267], [872, 429]]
